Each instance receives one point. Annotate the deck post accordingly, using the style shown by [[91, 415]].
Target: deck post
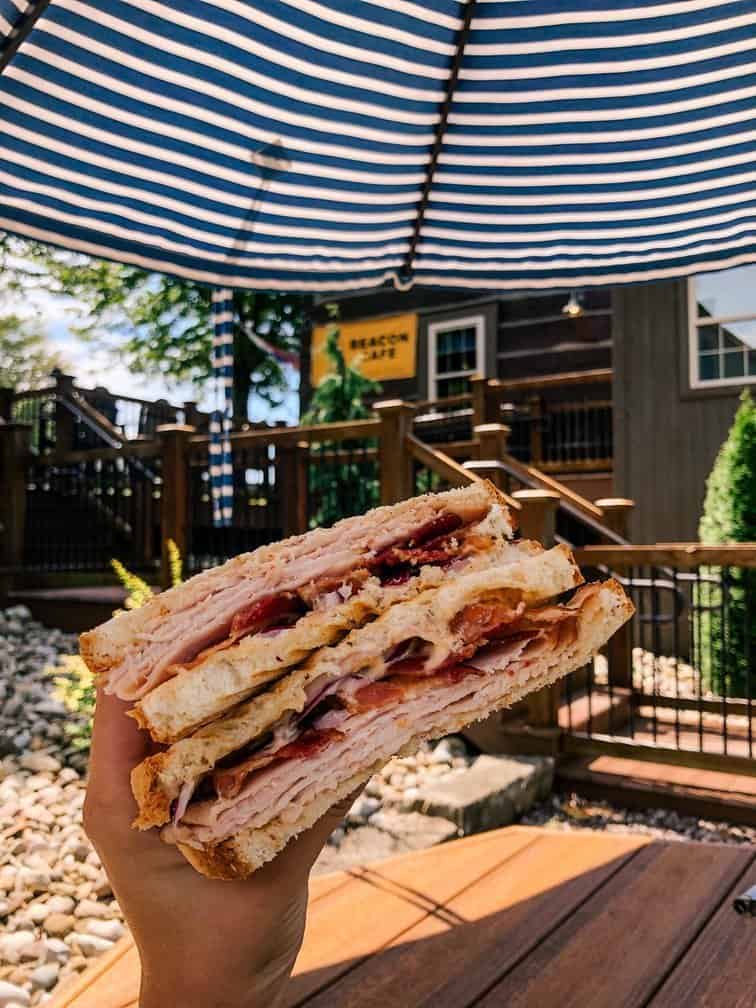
[[619, 650], [174, 514], [538, 515], [535, 410], [492, 446], [538, 521], [397, 481], [15, 448], [484, 401], [65, 424], [6, 403], [291, 479]]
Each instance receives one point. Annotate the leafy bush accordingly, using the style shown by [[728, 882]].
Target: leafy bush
[[75, 689], [726, 637], [74, 683], [340, 488]]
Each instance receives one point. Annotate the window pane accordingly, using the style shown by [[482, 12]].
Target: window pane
[[456, 351], [730, 292], [744, 332], [707, 337], [752, 363], [709, 366], [730, 342], [734, 364], [453, 386]]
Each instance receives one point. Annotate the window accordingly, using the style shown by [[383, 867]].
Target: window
[[723, 328], [456, 352]]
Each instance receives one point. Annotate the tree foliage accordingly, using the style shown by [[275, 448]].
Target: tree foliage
[[342, 480], [726, 600], [26, 360], [160, 324]]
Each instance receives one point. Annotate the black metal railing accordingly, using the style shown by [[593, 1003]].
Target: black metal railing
[[343, 479], [577, 433], [686, 679], [82, 514], [256, 506]]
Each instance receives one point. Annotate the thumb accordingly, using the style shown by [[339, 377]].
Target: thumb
[[301, 853]]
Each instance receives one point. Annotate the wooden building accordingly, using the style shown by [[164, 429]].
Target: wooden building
[[679, 353]]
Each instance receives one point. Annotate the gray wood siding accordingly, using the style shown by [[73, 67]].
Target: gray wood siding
[[666, 436]]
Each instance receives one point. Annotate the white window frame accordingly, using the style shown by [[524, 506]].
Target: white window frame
[[478, 322], [694, 324]]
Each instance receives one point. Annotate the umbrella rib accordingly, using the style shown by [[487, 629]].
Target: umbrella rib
[[451, 86], [19, 34]]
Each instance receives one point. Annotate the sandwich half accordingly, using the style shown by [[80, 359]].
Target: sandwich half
[[429, 633], [282, 680], [195, 650]]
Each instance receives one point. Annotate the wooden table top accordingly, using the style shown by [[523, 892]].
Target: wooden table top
[[520, 917]]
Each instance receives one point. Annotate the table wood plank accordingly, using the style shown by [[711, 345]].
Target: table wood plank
[[448, 960], [613, 950], [382, 902], [719, 969]]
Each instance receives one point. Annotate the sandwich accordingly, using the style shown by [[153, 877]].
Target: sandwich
[[284, 679]]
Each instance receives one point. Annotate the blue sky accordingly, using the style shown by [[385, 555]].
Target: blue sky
[[98, 367]]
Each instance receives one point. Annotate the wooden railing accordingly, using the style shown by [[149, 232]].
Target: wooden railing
[[551, 432], [64, 416]]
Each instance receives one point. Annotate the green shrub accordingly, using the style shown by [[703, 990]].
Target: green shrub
[[341, 396], [74, 683], [725, 637]]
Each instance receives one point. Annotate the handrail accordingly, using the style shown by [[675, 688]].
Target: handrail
[[93, 418], [684, 555], [129, 449], [341, 431], [446, 467], [598, 375], [533, 477]]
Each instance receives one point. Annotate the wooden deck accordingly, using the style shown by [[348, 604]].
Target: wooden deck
[[518, 917]]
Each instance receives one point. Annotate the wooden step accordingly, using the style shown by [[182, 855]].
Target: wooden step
[[71, 609], [708, 794], [596, 712]]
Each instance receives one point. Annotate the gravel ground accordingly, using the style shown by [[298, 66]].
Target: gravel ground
[[57, 911], [574, 813]]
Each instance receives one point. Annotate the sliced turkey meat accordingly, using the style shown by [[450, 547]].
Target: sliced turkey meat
[[361, 721], [241, 609]]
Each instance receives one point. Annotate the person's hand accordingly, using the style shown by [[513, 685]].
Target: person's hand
[[202, 943]]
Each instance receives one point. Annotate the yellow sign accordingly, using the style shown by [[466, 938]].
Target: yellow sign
[[380, 348]]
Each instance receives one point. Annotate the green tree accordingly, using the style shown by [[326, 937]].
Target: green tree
[[726, 599], [26, 360], [343, 479], [156, 323]]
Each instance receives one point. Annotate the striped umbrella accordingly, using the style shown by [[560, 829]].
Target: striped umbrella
[[298, 144], [221, 421]]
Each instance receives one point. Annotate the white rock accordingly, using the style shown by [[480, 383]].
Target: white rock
[[44, 977], [37, 912], [110, 929], [39, 762], [90, 945], [11, 995], [56, 950], [60, 904], [17, 945], [91, 908]]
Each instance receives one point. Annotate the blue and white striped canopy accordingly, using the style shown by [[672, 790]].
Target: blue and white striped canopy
[[297, 144]]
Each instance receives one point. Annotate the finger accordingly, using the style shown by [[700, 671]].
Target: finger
[[301, 853], [117, 746]]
